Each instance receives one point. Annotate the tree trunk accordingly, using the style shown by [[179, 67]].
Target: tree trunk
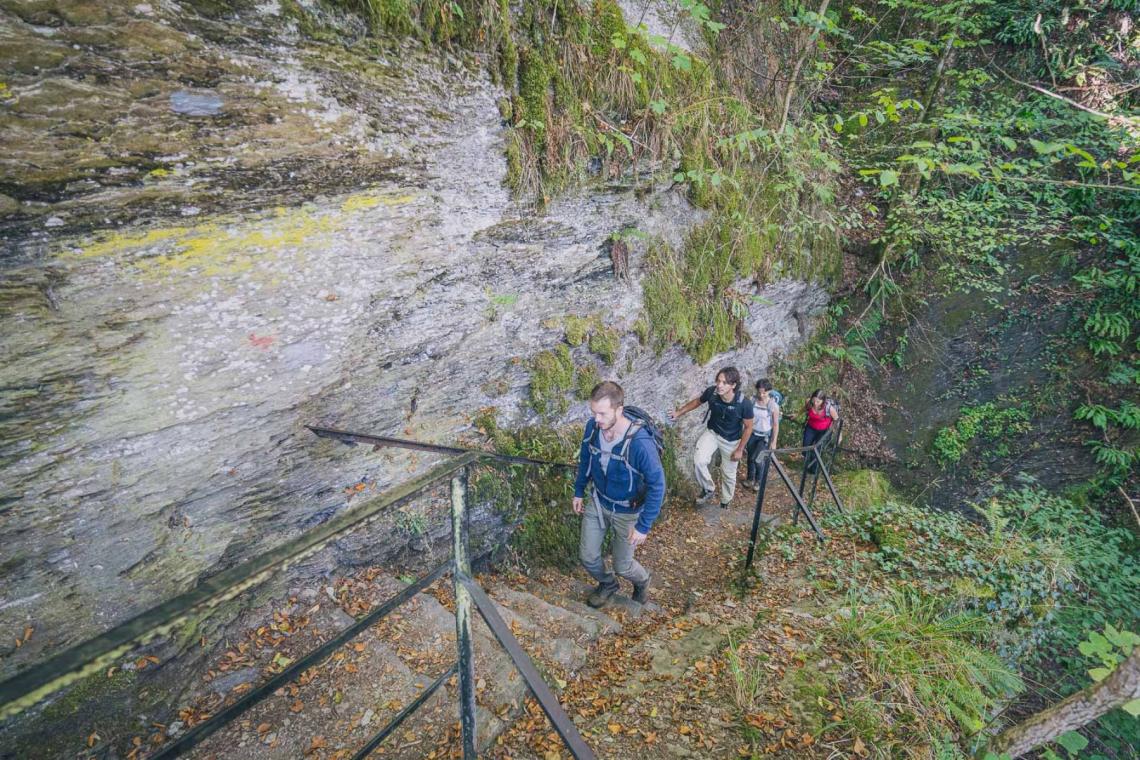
[[912, 180], [1122, 685], [796, 69]]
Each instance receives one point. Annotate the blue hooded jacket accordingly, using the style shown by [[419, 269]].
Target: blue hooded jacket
[[618, 483]]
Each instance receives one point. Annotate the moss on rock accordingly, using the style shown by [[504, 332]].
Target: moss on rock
[[577, 330], [95, 688], [534, 89], [551, 376], [605, 342], [585, 381]]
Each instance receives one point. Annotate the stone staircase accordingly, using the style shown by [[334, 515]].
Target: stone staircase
[[360, 688]]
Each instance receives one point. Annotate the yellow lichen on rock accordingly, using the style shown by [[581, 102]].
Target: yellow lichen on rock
[[363, 201], [229, 246]]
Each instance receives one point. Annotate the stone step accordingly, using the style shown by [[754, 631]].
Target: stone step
[[530, 625], [360, 690], [619, 601], [361, 687], [574, 602]]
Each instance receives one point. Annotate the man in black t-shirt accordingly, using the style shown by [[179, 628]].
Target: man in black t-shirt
[[730, 419]]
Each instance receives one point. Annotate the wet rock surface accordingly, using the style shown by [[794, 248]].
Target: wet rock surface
[[325, 238], [967, 351]]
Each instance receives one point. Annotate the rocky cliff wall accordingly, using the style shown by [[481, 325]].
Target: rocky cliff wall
[[216, 230]]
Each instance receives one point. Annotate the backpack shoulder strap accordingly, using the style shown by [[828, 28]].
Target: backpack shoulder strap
[[590, 433], [635, 427]]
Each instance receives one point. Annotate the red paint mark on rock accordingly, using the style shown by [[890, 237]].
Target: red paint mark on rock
[[261, 341]]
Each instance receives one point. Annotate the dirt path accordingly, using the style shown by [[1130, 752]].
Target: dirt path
[[663, 686]]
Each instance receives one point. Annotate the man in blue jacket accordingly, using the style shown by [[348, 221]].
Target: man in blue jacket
[[620, 465]]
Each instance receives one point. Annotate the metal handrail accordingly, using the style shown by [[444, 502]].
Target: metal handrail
[[200, 732], [25, 689], [29, 687], [770, 457], [351, 439]]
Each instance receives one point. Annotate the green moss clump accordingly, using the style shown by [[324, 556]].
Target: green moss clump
[[642, 330], [438, 21], [548, 531], [863, 489], [534, 89], [566, 99], [688, 298], [605, 342], [551, 376], [577, 330], [508, 63], [306, 23], [96, 687], [608, 21], [394, 16], [888, 536], [584, 383], [515, 158]]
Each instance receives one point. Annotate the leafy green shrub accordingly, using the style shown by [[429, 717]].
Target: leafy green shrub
[[1043, 571], [988, 422], [535, 499]]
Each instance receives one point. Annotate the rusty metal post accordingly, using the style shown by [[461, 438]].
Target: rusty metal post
[[767, 456], [463, 640]]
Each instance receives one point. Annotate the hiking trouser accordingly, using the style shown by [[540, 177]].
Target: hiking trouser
[[707, 445], [812, 437], [757, 443], [596, 519]]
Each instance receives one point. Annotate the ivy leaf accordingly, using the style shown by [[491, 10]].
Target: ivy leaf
[[637, 55], [1044, 148], [1132, 708], [888, 178], [1099, 674], [1008, 142], [682, 62], [658, 106], [618, 42], [1072, 741]]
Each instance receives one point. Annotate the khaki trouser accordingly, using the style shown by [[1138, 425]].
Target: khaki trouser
[[595, 520], [707, 445]]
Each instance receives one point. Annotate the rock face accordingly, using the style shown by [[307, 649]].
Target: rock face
[[217, 231]]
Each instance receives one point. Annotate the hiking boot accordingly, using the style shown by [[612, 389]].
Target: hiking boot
[[724, 505], [641, 591], [705, 498], [752, 485], [601, 594]]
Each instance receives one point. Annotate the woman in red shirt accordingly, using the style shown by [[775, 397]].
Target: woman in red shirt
[[821, 412]]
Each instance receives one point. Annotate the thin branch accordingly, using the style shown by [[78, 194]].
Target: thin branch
[[1131, 503], [1073, 183], [1112, 118]]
